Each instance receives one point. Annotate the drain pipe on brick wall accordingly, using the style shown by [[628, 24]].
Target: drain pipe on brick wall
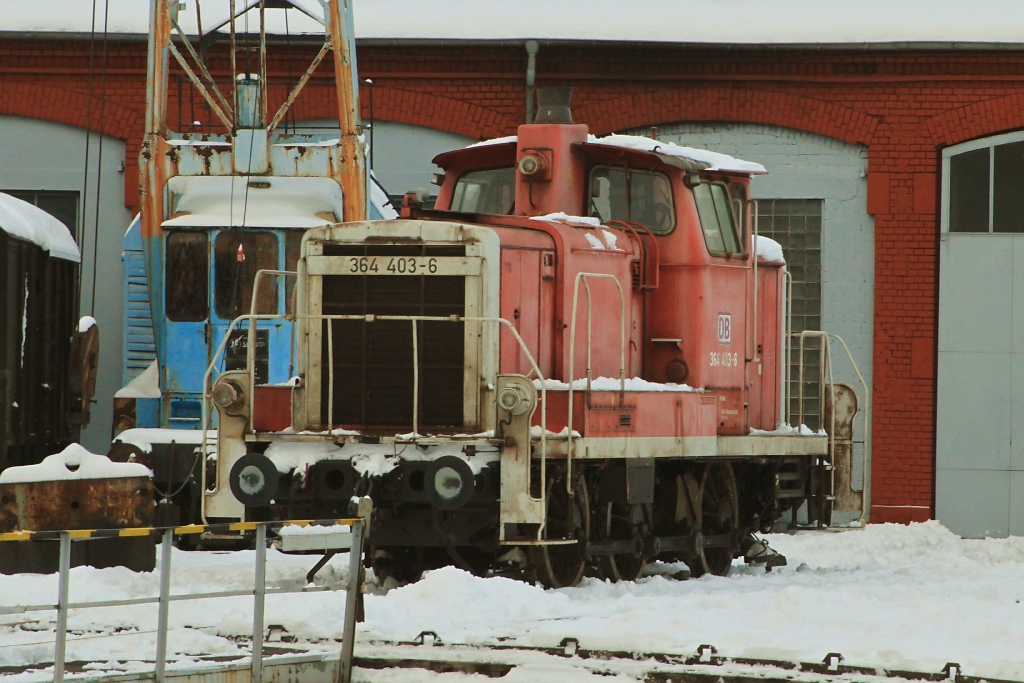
[[532, 47]]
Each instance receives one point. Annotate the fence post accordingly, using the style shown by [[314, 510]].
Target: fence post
[[260, 594], [352, 597], [164, 610], [63, 586]]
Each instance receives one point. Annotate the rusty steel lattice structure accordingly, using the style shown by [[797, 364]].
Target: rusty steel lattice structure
[[245, 144]]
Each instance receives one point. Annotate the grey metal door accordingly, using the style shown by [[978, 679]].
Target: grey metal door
[[979, 482]]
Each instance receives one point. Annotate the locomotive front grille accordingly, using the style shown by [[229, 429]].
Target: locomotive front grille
[[373, 361]]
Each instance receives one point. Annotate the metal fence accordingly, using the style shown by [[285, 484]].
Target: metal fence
[[355, 537]]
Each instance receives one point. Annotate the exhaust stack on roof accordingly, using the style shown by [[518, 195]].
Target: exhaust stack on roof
[[553, 105]]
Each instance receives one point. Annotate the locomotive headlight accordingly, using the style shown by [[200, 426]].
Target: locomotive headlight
[[228, 394], [529, 165], [513, 400]]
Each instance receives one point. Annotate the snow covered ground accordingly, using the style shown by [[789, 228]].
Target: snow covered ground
[[888, 596]]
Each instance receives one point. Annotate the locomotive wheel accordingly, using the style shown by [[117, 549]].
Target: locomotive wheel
[[718, 515], [621, 521], [559, 566]]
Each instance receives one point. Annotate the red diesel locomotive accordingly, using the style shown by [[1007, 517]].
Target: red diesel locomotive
[[575, 360]]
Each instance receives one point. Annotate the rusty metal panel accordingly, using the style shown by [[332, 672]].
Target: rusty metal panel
[[77, 504]]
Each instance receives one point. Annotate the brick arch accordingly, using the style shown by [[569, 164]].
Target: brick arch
[[732, 105], [68, 107], [418, 109], [976, 120]]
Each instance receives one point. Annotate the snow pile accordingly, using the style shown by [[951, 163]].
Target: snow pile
[[768, 249], [536, 432], [788, 430], [21, 219], [312, 530], [886, 596], [496, 141], [144, 437], [610, 238], [72, 463], [229, 201], [594, 242], [566, 218], [715, 160], [612, 384], [86, 323], [145, 385], [373, 460]]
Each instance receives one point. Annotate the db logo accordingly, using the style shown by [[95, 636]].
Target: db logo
[[724, 328]]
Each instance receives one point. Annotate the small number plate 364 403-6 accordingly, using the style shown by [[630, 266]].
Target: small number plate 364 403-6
[[392, 265]]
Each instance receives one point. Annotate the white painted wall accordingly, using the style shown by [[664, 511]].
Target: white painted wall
[[40, 155]]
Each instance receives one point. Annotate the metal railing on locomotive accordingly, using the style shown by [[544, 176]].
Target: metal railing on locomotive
[[353, 586], [583, 278], [253, 318], [826, 383]]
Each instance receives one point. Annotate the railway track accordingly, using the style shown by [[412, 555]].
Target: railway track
[[428, 653]]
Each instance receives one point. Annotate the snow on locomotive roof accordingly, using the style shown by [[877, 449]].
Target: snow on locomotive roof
[[21, 219], [716, 161], [74, 462], [713, 161], [223, 201], [698, 22]]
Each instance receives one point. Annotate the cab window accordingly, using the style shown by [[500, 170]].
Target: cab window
[[622, 194], [490, 191], [237, 257], [187, 287], [717, 219]]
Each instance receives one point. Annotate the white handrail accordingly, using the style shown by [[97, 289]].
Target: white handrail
[[583, 277]]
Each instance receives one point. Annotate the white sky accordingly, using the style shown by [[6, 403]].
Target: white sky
[[685, 21]]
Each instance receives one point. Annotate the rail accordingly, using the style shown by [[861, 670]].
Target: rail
[[353, 587]]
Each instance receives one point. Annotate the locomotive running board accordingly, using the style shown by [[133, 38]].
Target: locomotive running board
[[688, 446]]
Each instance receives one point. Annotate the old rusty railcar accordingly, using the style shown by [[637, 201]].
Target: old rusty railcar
[[44, 386], [575, 361]]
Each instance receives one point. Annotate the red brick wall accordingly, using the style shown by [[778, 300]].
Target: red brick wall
[[903, 106]]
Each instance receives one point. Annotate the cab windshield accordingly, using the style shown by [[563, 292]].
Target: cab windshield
[[623, 194], [490, 191]]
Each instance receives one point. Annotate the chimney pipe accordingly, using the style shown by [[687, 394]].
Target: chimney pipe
[[553, 105]]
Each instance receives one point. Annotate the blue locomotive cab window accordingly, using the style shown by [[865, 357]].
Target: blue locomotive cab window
[[188, 266], [717, 220], [643, 197], [490, 191], [237, 258]]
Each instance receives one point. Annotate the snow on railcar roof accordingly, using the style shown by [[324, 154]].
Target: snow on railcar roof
[[712, 161], [279, 202], [698, 22], [716, 161], [73, 463], [29, 222]]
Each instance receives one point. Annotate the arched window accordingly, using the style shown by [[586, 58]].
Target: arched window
[[984, 185]]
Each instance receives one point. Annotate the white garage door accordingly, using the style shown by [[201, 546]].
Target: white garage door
[[979, 483]]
